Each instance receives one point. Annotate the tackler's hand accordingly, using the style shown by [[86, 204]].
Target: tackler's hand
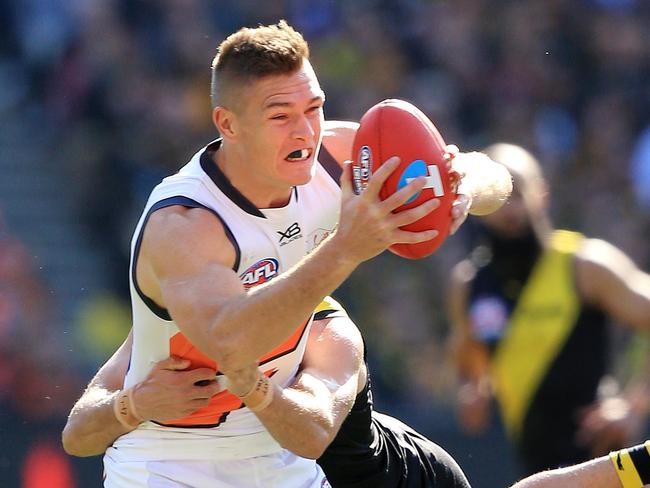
[[463, 202]]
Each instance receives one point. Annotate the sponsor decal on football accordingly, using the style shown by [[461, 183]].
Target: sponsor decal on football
[[420, 168], [260, 272]]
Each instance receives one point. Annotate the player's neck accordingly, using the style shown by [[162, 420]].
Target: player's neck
[[255, 188]]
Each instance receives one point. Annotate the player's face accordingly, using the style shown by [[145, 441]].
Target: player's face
[[511, 220], [514, 218], [280, 127]]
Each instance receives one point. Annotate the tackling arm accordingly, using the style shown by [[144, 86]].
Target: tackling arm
[[598, 472], [167, 392], [305, 417]]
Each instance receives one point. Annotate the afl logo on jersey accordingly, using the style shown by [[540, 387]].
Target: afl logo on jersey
[[260, 272]]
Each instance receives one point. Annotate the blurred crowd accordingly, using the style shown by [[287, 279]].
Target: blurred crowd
[[122, 88]]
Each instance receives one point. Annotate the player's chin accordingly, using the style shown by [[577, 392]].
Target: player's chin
[[299, 173]]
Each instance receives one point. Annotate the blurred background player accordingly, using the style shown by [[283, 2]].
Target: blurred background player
[[530, 310]]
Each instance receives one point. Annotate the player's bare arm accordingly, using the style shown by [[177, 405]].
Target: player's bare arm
[[331, 374], [184, 253], [599, 472], [468, 356], [166, 392], [91, 425], [338, 137], [305, 417], [608, 278]]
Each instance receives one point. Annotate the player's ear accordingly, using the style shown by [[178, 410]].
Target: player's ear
[[225, 121]]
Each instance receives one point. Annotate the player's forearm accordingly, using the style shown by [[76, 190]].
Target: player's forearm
[[599, 472], [488, 182], [248, 327], [305, 421], [92, 426], [305, 416]]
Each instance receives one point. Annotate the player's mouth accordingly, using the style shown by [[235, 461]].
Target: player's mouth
[[299, 155]]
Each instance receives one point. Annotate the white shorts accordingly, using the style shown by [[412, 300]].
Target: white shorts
[[278, 470]]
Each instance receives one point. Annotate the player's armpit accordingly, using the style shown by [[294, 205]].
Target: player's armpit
[[306, 416]]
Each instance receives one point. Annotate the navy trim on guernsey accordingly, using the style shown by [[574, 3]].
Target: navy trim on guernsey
[[326, 314], [330, 164], [641, 460], [161, 312], [223, 183]]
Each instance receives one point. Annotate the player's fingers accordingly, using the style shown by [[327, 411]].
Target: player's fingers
[[401, 196], [407, 237], [173, 363], [206, 390], [451, 150], [346, 178], [459, 212], [413, 214], [380, 176], [201, 375]]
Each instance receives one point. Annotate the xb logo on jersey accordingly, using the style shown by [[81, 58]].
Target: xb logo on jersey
[[292, 233], [420, 168], [260, 272]]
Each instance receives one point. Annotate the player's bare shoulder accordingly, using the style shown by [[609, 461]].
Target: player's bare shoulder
[[180, 235], [596, 255], [338, 136], [599, 264]]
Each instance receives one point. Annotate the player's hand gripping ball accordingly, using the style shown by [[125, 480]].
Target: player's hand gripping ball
[[398, 128]]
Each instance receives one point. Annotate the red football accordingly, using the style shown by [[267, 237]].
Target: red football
[[398, 128]]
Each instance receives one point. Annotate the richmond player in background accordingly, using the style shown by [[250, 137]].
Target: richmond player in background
[[529, 310]]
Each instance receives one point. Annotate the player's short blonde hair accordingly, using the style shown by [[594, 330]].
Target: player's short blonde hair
[[253, 53], [522, 165]]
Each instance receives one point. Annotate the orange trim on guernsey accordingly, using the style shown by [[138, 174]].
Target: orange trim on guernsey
[[223, 402]]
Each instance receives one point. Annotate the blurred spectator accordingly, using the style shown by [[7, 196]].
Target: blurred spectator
[[36, 382]]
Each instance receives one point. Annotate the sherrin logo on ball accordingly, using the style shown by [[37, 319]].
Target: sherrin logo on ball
[[362, 171], [398, 128]]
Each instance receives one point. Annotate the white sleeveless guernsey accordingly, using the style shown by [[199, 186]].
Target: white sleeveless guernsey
[[268, 242]]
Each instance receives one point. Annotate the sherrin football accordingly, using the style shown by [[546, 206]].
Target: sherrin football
[[398, 128]]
